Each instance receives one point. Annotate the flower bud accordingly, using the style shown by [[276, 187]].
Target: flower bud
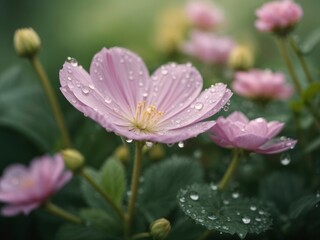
[[122, 153], [26, 42], [241, 58], [160, 229], [157, 152], [73, 159]]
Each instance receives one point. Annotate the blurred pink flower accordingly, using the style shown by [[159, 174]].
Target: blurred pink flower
[[120, 95], [262, 84], [278, 16], [204, 14], [236, 131], [24, 189], [208, 47]]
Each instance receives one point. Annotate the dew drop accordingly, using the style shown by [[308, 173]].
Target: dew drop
[[214, 187], [72, 61], [129, 140], [258, 219], [180, 144], [212, 217], [182, 200], [285, 159], [253, 208], [261, 212], [170, 144], [107, 99], [235, 195], [164, 71], [145, 94], [318, 194], [226, 202], [198, 106], [194, 196], [149, 144], [85, 90], [246, 220]]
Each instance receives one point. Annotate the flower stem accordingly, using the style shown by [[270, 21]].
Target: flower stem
[[285, 56], [141, 235], [301, 59], [231, 169], [134, 185], [97, 187], [59, 212], [52, 100], [204, 235]]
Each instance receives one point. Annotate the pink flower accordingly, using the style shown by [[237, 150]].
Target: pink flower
[[204, 14], [208, 47], [264, 85], [236, 131], [24, 189], [278, 16], [120, 95]]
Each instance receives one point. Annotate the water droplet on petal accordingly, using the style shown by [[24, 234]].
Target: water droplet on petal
[[164, 71], [246, 220], [180, 144], [194, 196], [198, 106], [72, 61], [107, 99], [85, 90]]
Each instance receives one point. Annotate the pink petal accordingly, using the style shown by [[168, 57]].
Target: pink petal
[[174, 87], [238, 117], [276, 146], [274, 128], [12, 210], [249, 141]]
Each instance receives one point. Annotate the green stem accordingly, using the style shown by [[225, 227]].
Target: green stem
[[59, 212], [141, 235], [231, 169], [285, 56], [204, 235], [52, 100], [134, 185], [301, 59], [97, 187]]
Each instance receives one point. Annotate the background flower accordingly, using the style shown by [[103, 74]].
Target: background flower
[[208, 47], [24, 189], [278, 16], [262, 85], [236, 131], [121, 96]]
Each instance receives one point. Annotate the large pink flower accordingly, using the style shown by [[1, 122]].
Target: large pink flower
[[262, 84], [236, 131], [120, 95], [204, 14], [278, 16], [24, 189], [208, 47]]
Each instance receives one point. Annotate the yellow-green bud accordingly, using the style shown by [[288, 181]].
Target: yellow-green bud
[[241, 58], [157, 152], [160, 229], [73, 159], [26, 42], [122, 153]]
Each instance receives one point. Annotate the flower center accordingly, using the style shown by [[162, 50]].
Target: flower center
[[147, 117]]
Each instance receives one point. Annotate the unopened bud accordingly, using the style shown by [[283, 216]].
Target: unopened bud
[[122, 153], [160, 229], [241, 58], [73, 159], [26, 42], [157, 152]]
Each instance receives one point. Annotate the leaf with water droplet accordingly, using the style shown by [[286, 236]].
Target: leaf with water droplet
[[222, 211]]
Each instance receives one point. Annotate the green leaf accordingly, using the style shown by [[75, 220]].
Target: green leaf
[[91, 196], [311, 91], [224, 211], [311, 42], [78, 232], [24, 108], [161, 183], [113, 180], [101, 220], [303, 205]]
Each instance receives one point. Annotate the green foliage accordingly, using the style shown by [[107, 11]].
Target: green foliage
[[161, 183], [304, 205], [113, 180], [311, 92], [224, 211], [24, 108], [312, 41]]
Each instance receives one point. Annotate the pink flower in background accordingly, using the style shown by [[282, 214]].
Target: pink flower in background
[[236, 131], [119, 94], [208, 47], [24, 189], [204, 14], [262, 84], [278, 16]]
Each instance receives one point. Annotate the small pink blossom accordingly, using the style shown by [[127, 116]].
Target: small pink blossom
[[204, 14], [278, 16], [208, 47], [236, 131], [119, 94], [24, 189], [262, 84]]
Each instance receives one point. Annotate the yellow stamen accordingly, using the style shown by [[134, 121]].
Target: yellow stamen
[[146, 117]]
